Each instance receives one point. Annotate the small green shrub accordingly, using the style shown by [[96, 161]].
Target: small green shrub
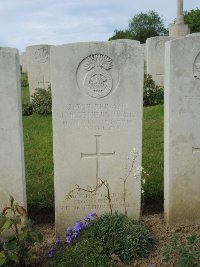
[[17, 236], [27, 109], [42, 101], [122, 236], [182, 254], [24, 80], [24, 83], [110, 237], [153, 94], [87, 252]]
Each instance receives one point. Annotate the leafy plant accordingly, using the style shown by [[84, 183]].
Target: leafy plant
[[42, 101], [17, 236], [110, 237], [182, 254], [153, 94], [27, 109], [122, 236]]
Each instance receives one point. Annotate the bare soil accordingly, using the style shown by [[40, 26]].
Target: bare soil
[[154, 222]]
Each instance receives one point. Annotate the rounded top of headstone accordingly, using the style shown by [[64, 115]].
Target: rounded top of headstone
[[126, 41], [9, 49], [35, 47]]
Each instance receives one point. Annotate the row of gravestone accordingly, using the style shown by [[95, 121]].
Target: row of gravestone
[[97, 93], [36, 61]]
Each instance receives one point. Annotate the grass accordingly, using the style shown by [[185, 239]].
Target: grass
[[39, 156]]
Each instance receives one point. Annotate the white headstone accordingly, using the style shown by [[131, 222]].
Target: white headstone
[[182, 131], [97, 120], [23, 62], [12, 177], [38, 63], [155, 47]]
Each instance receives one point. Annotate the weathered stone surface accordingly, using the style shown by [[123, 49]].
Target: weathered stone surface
[[38, 64], [97, 120], [179, 29], [23, 62], [12, 176], [155, 48], [182, 131]]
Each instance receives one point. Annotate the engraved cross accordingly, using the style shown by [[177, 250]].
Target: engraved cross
[[97, 156]]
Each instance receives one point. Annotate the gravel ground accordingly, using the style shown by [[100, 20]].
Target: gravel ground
[[154, 222]]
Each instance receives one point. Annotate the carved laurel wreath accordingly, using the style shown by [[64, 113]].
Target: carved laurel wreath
[[197, 74], [98, 60]]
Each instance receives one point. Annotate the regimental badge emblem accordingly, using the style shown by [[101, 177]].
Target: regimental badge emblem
[[95, 75], [196, 67], [42, 55]]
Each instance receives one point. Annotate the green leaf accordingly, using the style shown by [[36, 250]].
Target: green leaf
[[7, 225], [13, 257], [2, 258]]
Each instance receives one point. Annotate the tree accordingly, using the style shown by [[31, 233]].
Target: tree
[[146, 25], [141, 27], [120, 35], [193, 19]]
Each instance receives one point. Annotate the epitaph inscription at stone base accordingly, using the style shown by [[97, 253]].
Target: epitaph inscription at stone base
[[97, 120], [12, 176], [182, 131]]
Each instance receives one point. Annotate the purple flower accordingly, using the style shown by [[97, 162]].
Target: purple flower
[[51, 252], [151, 265], [78, 226], [69, 230], [57, 241], [74, 235], [68, 239], [89, 216]]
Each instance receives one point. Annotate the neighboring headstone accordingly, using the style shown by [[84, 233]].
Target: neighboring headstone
[[182, 131], [155, 47], [97, 93], [38, 64], [12, 177], [179, 29], [144, 52], [23, 62]]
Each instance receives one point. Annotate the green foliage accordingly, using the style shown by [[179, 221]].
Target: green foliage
[[153, 94], [141, 27], [146, 25], [182, 254], [42, 101], [18, 235], [193, 19], [122, 236], [111, 237], [87, 252], [120, 35], [24, 80], [27, 109]]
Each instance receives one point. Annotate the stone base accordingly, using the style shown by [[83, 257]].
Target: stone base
[[179, 30]]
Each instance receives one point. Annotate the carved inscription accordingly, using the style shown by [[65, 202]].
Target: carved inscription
[[196, 67], [97, 76], [103, 117], [42, 55], [88, 201]]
